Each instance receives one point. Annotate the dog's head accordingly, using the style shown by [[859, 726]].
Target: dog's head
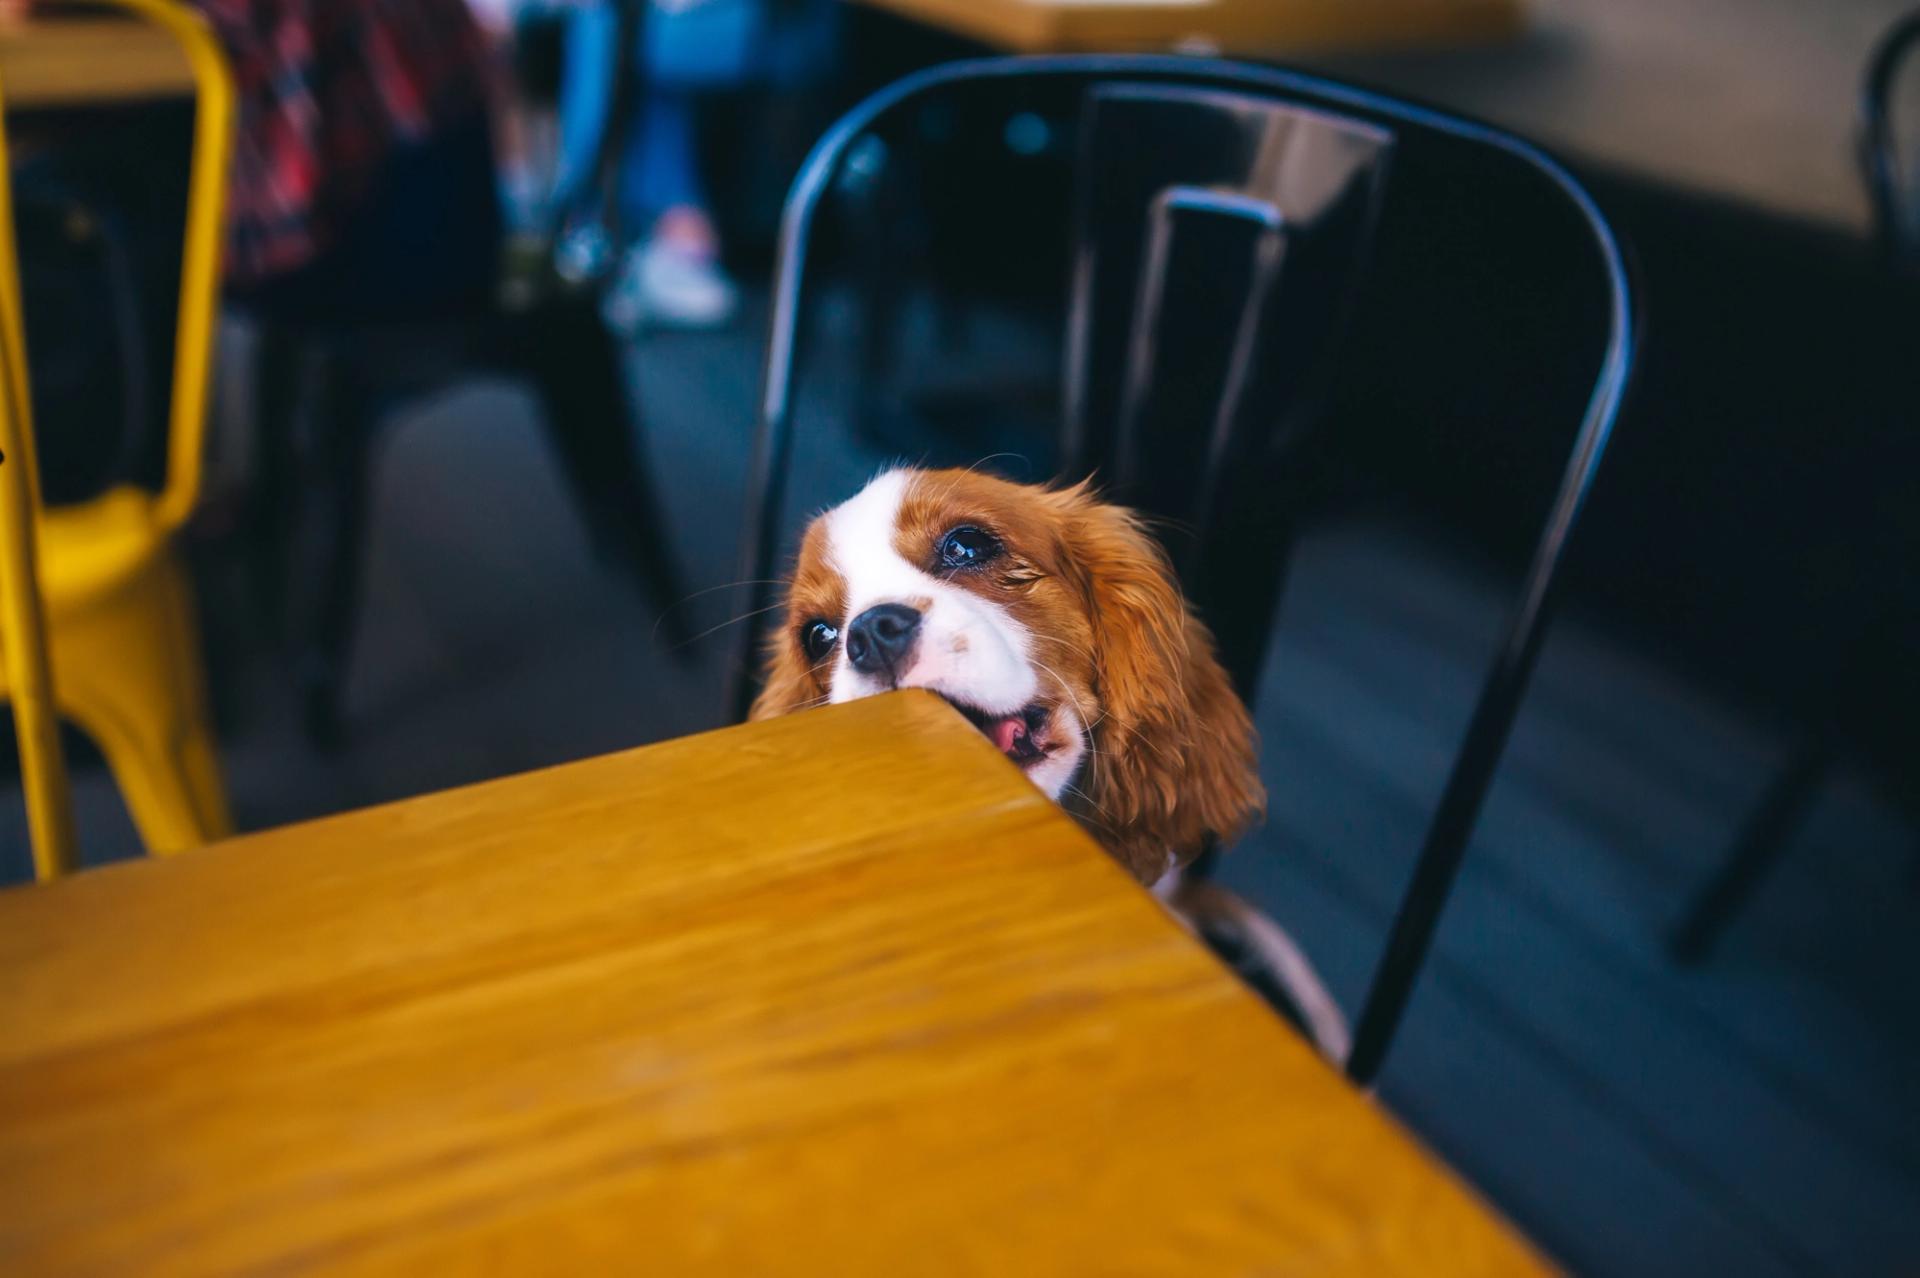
[[1053, 622]]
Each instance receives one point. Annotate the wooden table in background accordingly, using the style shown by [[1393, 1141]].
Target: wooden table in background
[[1245, 28], [836, 994], [57, 62]]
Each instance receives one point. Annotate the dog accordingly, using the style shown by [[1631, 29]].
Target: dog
[[1053, 621]]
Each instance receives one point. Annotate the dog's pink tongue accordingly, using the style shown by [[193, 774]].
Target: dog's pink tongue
[[1008, 732]]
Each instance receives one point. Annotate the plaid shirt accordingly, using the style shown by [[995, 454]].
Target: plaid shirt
[[326, 89]]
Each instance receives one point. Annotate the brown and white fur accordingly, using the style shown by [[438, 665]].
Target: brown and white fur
[[1053, 621]]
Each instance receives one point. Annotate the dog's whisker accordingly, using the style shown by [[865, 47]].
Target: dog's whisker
[[684, 600], [1139, 737], [1065, 689], [1078, 710], [1019, 457], [1106, 718], [728, 585], [730, 621], [1088, 799]]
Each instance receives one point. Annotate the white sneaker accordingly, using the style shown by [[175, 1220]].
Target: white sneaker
[[669, 286], [582, 253]]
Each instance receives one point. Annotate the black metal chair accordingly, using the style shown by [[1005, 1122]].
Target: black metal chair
[[1872, 693], [350, 373], [1890, 162], [1226, 218]]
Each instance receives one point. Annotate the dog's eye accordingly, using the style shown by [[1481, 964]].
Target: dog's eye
[[818, 639], [967, 547]]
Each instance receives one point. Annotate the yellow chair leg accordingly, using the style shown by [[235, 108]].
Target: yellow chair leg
[[199, 760], [153, 778], [200, 765], [134, 683]]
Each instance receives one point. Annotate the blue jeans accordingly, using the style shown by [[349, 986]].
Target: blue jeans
[[712, 44]]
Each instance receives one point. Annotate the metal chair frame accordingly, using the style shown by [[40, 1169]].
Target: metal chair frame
[[1764, 835], [1499, 699], [49, 812], [43, 767], [1877, 156]]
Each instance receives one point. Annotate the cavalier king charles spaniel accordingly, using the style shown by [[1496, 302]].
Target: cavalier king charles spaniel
[[1053, 622]]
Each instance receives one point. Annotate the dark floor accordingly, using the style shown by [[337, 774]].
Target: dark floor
[[1759, 1115]]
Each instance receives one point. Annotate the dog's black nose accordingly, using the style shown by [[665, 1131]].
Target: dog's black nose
[[881, 638]]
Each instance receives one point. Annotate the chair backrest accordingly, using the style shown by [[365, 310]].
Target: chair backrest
[[1217, 236], [23, 631], [193, 342], [197, 308], [1224, 215], [1890, 139]]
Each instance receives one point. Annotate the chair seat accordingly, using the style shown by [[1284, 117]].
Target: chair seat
[[125, 651], [90, 549]]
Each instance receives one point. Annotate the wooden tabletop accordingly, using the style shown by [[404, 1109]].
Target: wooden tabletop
[[54, 62], [1242, 27], [1750, 100], [839, 994]]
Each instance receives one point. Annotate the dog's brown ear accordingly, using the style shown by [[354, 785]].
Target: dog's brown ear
[[1176, 755], [789, 683]]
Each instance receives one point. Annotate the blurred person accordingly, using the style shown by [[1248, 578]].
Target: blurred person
[[670, 274], [525, 39], [363, 195], [363, 172], [360, 189], [362, 175]]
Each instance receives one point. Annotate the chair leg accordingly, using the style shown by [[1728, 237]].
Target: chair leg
[[1759, 845], [574, 364], [194, 747], [338, 533], [142, 699], [1262, 955], [159, 794], [279, 386]]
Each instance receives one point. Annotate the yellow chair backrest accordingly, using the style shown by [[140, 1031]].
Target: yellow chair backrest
[[22, 621], [43, 772]]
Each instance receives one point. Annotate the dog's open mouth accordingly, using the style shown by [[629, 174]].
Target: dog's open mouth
[[1019, 736]]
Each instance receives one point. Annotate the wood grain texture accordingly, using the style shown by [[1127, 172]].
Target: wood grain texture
[[839, 993], [77, 61], [1750, 100], [1240, 27]]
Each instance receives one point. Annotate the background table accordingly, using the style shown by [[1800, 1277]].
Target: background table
[[57, 62], [839, 993], [1753, 100], [1243, 27]]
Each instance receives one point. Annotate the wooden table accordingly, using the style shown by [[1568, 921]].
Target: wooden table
[[1245, 28], [1750, 100], [1753, 100], [835, 994], [57, 62]]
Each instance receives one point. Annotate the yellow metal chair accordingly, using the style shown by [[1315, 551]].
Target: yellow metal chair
[[111, 592]]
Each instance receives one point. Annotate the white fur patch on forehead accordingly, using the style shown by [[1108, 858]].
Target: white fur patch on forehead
[[860, 544]]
